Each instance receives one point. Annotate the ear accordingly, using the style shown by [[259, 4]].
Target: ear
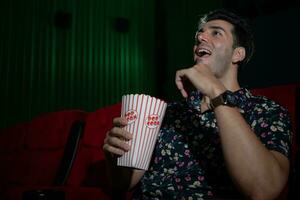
[[239, 54]]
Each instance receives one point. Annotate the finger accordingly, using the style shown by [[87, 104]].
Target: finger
[[119, 146], [179, 79], [120, 121], [179, 82], [119, 132], [113, 150], [118, 143], [183, 93]]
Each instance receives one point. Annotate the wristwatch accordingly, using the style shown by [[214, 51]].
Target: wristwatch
[[227, 98]]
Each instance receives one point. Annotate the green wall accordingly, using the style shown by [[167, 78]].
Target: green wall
[[89, 65]]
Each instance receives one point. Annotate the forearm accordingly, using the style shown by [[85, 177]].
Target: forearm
[[121, 178], [253, 168]]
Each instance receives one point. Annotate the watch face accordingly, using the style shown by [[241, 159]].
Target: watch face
[[230, 99], [226, 98]]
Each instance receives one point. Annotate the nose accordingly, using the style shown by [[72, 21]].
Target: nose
[[200, 37]]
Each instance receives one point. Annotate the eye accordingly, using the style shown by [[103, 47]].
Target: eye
[[216, 33]]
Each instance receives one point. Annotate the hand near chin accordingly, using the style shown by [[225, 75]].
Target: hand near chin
[[201, 77]]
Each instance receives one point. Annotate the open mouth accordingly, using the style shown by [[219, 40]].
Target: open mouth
[[201, 52]]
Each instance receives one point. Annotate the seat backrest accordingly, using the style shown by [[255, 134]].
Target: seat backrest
[[89, 167], [33, 151], [12, 140], [70, 152], [285, 95]]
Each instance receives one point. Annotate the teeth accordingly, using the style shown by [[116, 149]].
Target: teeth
[[202, 52]]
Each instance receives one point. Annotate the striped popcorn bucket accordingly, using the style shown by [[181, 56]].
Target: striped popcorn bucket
[[144, 115]]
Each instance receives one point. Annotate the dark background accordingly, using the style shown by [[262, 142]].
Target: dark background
[[72, 54], [275, 27]]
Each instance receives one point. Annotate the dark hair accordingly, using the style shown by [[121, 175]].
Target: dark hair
[[241, 32]]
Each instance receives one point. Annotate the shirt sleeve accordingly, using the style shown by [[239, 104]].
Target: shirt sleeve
[[273, 127]]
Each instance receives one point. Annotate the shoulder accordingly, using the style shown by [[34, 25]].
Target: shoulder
[[263, 113], [271, 122], [263, 105]]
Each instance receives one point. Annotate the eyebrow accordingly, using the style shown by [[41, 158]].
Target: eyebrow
[[217, 27], [212, 27]]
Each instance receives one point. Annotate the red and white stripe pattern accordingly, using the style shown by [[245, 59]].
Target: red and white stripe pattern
[[144, 114]]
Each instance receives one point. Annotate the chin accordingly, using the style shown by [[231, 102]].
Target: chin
[[201, 61]]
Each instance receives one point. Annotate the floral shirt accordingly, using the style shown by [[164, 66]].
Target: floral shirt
[[187, 161]]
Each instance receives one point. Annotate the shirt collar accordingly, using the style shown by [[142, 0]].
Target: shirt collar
[[242, 95]]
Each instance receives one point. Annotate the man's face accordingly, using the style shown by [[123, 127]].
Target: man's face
[[214, 46]]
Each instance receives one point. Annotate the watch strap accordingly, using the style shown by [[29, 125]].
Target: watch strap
[[217, 101], [226, 98]]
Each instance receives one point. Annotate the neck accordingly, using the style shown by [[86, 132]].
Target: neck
[[229, 80]]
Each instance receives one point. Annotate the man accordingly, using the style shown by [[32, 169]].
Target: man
[[221, 141]]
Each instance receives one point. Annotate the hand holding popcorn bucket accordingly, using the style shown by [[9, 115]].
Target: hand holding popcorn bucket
[[144, 115]]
